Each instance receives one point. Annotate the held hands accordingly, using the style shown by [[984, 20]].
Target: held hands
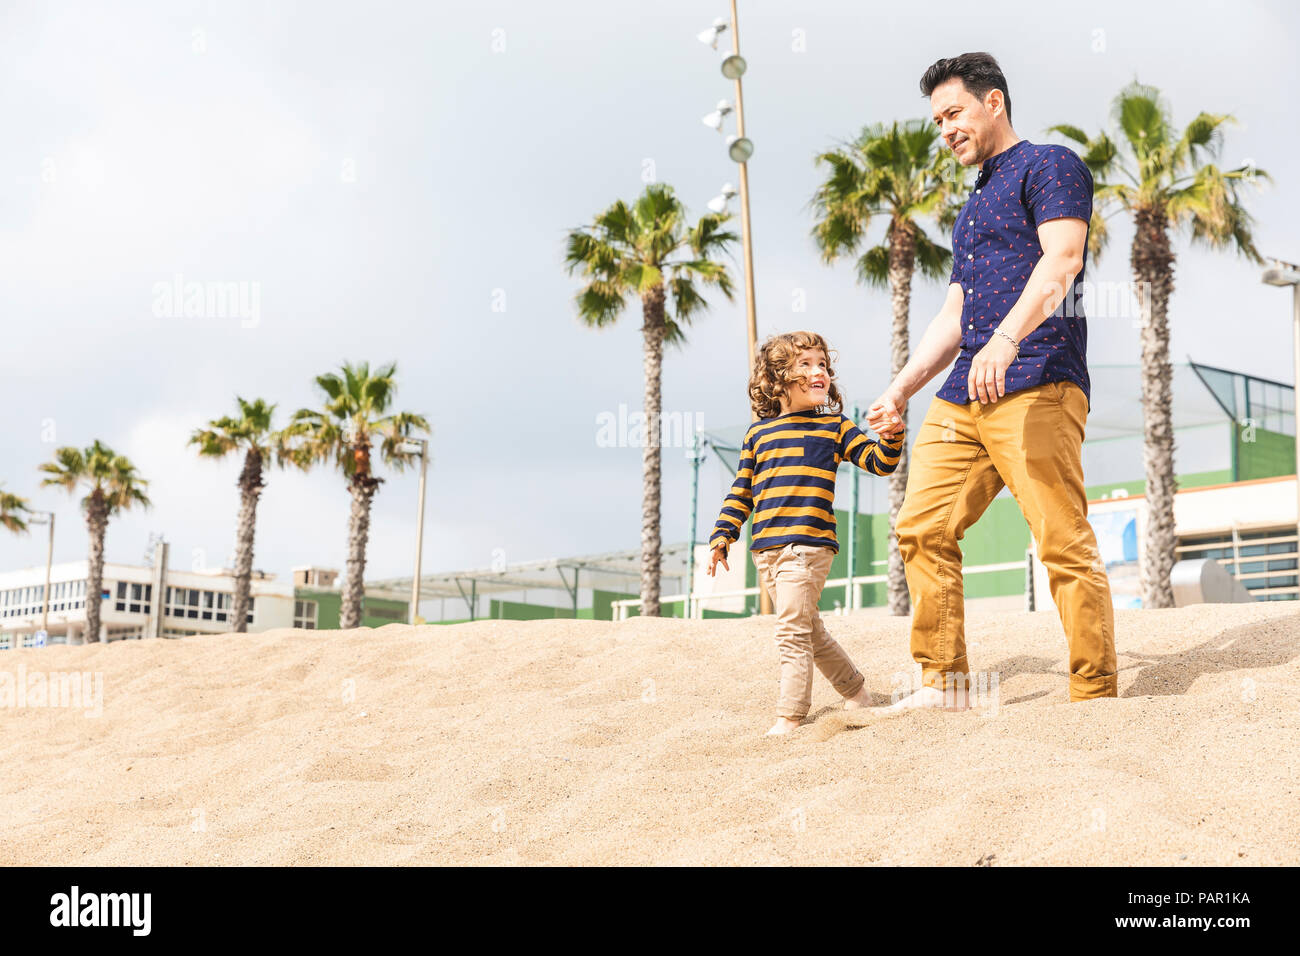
[[885, 416], [988, 370], [719, 554]]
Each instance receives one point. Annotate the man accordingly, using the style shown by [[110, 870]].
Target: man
[[1012, 410]]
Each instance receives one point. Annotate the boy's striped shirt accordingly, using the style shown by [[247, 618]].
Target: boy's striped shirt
[[787, 475]]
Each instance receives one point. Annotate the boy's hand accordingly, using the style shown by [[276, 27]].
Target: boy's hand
[[885, 416], [719, 553]]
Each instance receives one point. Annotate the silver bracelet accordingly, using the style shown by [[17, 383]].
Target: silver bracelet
[[1009, 339]]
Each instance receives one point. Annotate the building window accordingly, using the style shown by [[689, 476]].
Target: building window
[[182, 602], [1263, 559], [304, 614]]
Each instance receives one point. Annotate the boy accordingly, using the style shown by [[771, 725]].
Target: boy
[[788, 464]]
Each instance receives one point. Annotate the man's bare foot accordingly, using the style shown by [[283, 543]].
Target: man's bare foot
[[930, 698], [782, 726], [858, 700]]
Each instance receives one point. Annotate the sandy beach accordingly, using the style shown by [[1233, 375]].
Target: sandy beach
[[580, 742]]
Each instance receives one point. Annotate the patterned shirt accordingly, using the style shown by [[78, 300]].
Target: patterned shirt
[[788, 466], [994, 248]]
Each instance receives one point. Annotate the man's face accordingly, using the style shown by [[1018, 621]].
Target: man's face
[[967, 124]]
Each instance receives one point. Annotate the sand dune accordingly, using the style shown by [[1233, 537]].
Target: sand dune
[[563, 742]]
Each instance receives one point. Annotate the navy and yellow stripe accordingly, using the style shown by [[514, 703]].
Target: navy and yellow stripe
[[786, 478]]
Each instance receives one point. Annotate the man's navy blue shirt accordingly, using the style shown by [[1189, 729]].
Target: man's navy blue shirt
[[995, 247]]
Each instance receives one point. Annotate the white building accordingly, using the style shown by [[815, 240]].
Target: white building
[[1249, 527], [191, 602]]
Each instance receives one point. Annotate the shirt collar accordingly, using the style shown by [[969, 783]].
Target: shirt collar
[[993, 162]]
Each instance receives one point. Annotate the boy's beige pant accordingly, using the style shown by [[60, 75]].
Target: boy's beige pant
[[794, 575], [963, 454]]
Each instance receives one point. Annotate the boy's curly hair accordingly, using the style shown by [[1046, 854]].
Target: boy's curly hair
[[774, 373]]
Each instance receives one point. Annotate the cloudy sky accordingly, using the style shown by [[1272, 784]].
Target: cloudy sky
[[395, 180]]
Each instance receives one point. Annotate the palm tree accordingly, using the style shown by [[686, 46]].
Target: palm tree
[[636, 250], [344, 431], [12, 509], [1166, 179], [251, 432], [899, 173], [114, 486]]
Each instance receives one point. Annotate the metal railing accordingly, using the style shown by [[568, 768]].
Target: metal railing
[[1232, 538], [694, 603]]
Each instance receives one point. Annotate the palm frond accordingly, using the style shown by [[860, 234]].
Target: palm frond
[[1141, 113], [1204, 134], [934, 261], [1212, 208], [873, 267], [1070, 132], [632, 249], [12, 509], [600, 303], [900, 171]]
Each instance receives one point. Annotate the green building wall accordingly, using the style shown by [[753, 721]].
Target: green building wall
[[519, 611], [1260, 453], [375, 612]]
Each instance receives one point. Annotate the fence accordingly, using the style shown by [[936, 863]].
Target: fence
[[694, 603]]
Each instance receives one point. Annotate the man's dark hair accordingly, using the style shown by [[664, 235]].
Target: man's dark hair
[[978, 72]]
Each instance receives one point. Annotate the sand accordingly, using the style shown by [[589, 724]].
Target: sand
[[580, 742]]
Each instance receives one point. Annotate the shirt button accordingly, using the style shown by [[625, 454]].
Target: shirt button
[[977, 191], [970, 256], [971, 326], [970, 290]]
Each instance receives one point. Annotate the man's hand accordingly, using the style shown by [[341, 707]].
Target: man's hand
[[719, 554], [885, 416], [988, 370]]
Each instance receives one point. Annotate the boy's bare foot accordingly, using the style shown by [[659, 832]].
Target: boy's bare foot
[[858, 700], [929, 698], [782, 726]]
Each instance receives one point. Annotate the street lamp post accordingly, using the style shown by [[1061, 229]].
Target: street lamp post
[[412, 446], [697, 454], [739, 148], [48, 518], [1288, 274]]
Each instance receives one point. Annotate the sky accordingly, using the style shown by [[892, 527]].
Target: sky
[[394, 181]]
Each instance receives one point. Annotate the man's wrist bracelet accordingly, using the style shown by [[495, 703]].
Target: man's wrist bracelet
[[1008, 337]]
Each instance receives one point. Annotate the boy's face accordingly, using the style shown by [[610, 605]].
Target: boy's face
[[814, 389]]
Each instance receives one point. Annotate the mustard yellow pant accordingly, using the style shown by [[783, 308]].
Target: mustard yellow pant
[[794, 576], [1031, 441]]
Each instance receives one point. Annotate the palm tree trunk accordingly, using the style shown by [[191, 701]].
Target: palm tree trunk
[[1153, 260], [902, 260], [97, 524], [652, 308], [250, 489], [362, 488]]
